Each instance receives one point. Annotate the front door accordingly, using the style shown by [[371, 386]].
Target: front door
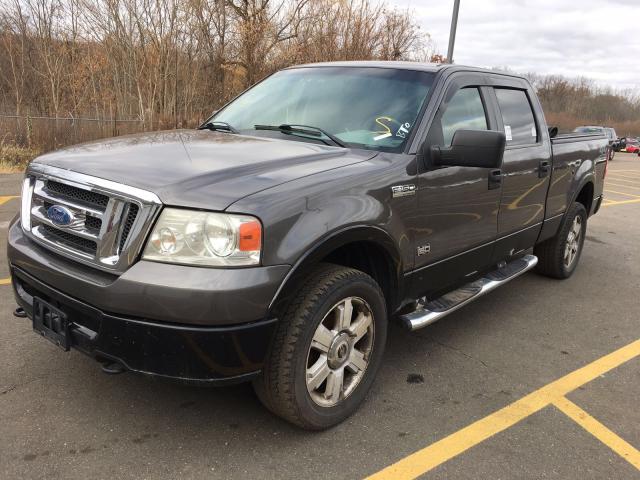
[[457, 208]]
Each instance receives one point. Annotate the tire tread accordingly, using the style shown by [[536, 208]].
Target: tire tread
[[275, 387], [550, 253]]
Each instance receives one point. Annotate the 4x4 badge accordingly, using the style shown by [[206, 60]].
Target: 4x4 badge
[[403, 190]]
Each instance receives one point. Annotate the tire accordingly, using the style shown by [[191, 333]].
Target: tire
[[558, 256], [310, 322]]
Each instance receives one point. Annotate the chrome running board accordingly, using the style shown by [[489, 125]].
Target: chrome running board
[[429, 312]]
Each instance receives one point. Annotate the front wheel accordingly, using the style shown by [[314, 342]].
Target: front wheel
[[327, 349], [558, 256]]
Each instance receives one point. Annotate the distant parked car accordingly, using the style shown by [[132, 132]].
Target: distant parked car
[[623, 143], [614, 141], [599, 130], [593, 129], [632, 145]]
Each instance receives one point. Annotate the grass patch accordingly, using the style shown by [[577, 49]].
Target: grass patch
[[14, 159]]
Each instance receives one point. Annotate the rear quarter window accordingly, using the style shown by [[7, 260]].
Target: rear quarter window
[[517, 116]]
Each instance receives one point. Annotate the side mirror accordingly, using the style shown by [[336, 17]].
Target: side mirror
[[471, 148]]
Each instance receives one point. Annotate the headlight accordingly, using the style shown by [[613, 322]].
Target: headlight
[[203, 238]]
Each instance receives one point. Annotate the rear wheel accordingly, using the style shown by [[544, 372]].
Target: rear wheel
[[327, 349], [558, 256]]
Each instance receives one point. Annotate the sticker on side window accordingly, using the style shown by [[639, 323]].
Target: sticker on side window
[[534, 134], [507, 132]]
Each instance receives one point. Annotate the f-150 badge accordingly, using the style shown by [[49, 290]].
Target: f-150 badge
[[403, 190]]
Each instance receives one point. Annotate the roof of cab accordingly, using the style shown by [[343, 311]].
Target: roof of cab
[[427, 67], [424, 67]]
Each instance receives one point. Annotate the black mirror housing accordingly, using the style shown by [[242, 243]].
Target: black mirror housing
[[471, 148]]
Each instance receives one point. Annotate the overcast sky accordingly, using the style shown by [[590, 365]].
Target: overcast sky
[[598, 39]]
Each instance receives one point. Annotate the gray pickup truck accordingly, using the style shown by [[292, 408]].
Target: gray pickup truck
[[274, 243]]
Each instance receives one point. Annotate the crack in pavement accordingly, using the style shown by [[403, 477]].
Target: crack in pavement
[[463, 353], [10, 389], [14, 387]]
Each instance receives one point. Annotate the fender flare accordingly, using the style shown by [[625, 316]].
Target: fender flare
[[338, 238], [587, 178]]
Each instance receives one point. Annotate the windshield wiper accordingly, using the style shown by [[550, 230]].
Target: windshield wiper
[[217, 125], [303, 130]]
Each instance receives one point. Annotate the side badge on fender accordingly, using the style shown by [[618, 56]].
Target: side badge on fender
[[403, 190]]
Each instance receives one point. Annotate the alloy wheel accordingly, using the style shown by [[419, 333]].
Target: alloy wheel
[[572, 245], [340, 351]]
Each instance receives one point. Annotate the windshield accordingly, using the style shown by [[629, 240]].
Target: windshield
[[362, 107]]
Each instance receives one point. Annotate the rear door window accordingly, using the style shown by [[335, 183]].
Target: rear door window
[[517, 116]]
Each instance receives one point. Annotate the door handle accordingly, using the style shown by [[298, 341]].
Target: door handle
[[495, 179], [544, 169], [575, 163]]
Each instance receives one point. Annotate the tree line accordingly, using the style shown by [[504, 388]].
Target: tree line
[[168, 63], [568, 103], [171, 62]]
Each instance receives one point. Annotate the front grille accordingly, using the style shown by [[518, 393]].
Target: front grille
[[93, 222], [80, 243], [75, 193], [128, 223], [98, 222]]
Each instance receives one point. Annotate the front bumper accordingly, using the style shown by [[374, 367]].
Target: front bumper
[[151, 290], [187, 353]]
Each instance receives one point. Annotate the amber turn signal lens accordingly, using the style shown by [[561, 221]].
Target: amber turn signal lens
[[250, 236]]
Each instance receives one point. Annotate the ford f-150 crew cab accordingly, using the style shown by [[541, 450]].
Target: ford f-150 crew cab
[[274, 243]]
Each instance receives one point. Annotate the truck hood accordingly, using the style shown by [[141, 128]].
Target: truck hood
[[200, 168]]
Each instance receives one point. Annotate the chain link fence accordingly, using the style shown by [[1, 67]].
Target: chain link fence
[[48, 133]]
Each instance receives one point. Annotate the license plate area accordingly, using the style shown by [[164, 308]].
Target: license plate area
[[51, 323]]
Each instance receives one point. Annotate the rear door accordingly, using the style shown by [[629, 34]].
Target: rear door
[[526, 166], [456, 222]]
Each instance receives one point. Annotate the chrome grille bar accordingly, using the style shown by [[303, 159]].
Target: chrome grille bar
[[123, 222], [40, 192]]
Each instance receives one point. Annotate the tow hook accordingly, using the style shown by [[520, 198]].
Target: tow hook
[[113, 368], [19, 312]]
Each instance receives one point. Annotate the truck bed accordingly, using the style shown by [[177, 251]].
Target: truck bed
[[570, 151]]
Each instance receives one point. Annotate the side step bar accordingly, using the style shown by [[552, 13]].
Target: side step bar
[[429, 312]]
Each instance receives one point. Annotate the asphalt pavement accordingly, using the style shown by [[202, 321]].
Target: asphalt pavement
[[539, 379]]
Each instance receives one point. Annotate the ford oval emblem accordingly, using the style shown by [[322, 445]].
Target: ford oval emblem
[[60, 215]]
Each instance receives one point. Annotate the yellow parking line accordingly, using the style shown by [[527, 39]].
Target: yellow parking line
[[5, 281], [598, 430], [618, 178], [626, 176], [620, 202], [5, 199], [428, 458], [622, 193], [623, 185]]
